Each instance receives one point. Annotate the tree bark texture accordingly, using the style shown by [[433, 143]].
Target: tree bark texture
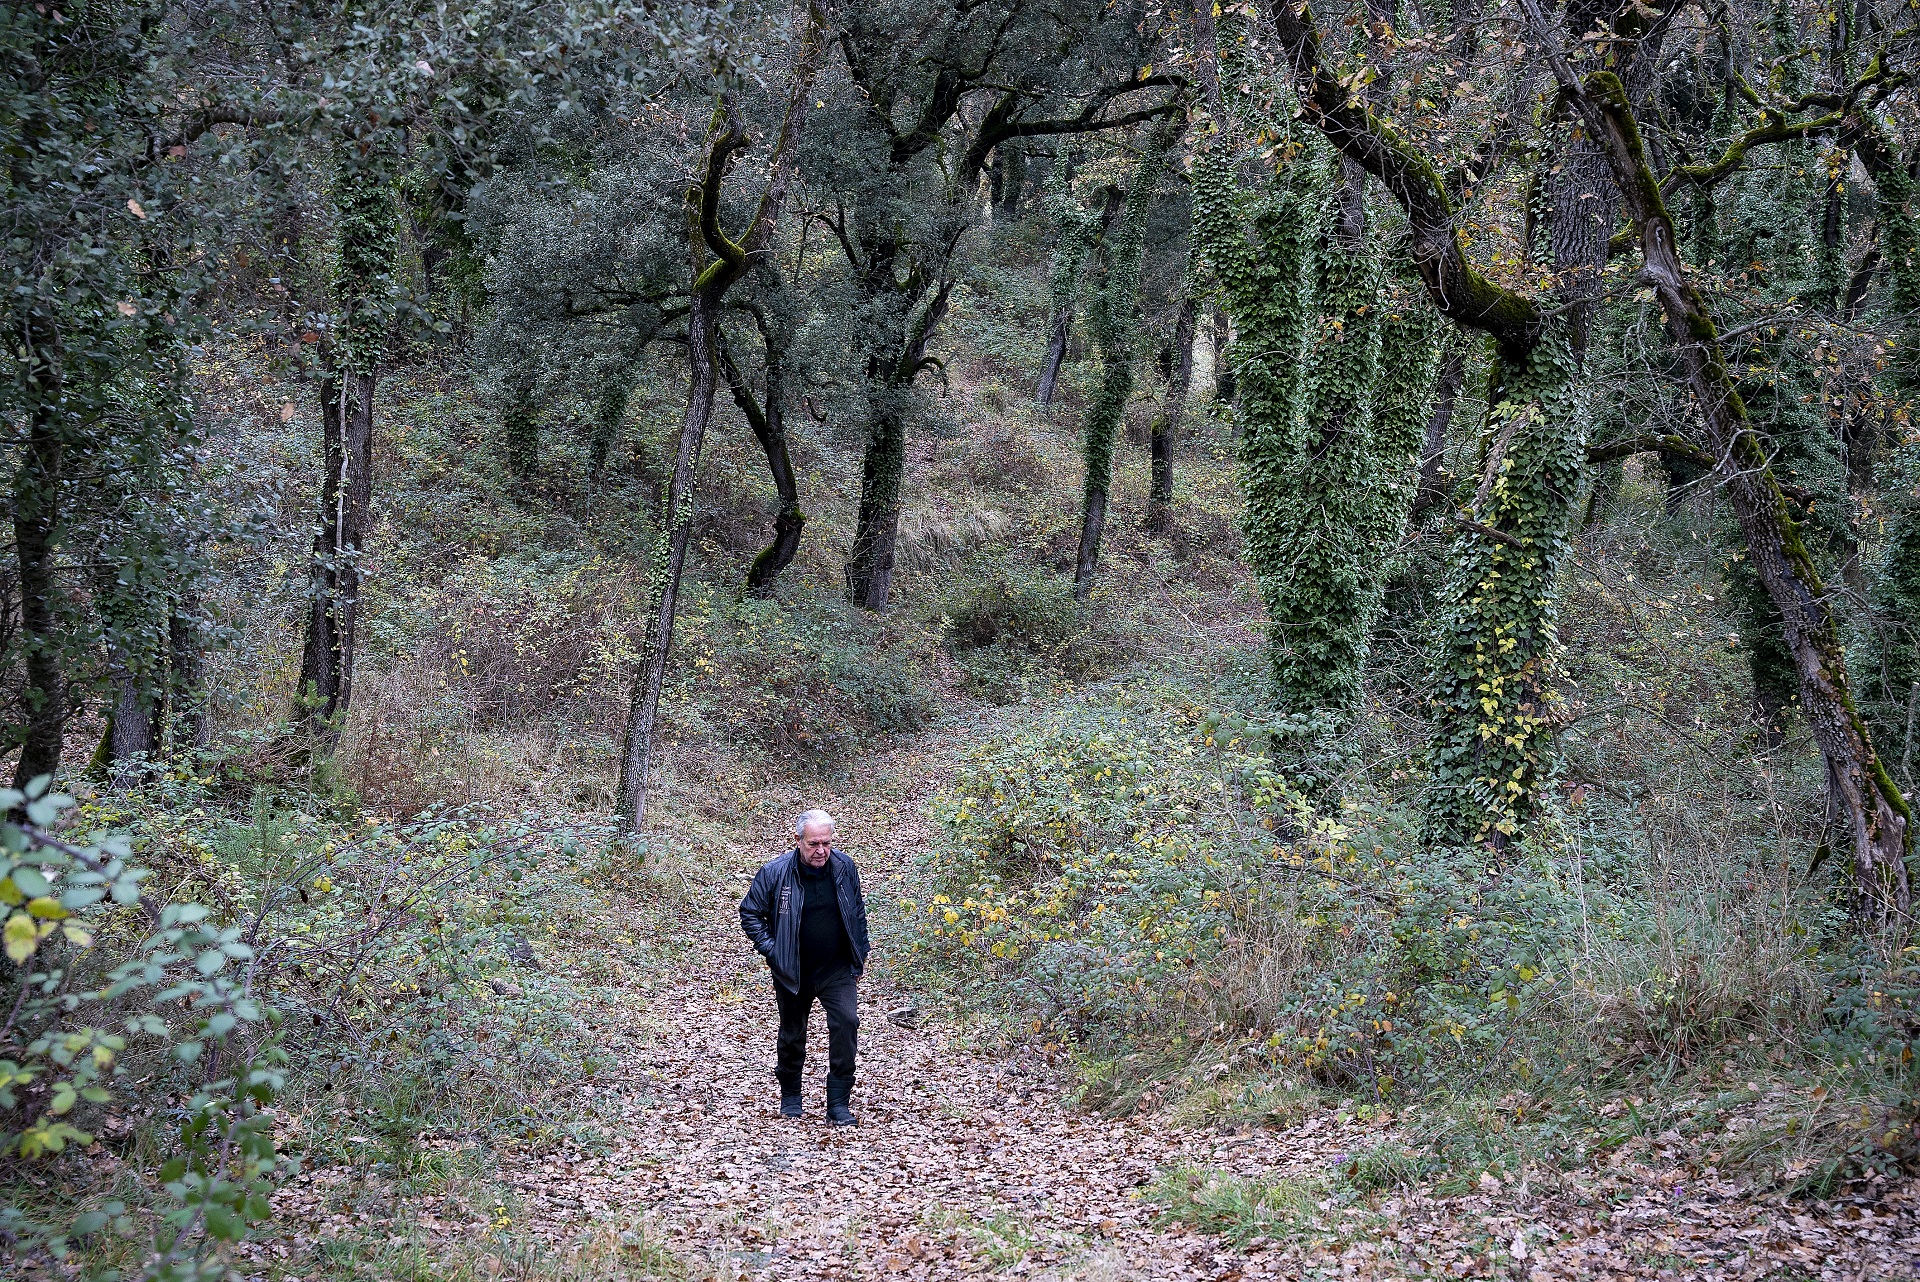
[[769, 425], [186, 683], [333, 609], [1871, 807], [1058, 328], [1224, 388], [884, 468], [1117, 258], [1435, 484], [1165, 432], [676, 521], [367, 230]]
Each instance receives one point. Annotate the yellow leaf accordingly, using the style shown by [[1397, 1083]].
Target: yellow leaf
[[48, 908], [9, 893], [22, 937]]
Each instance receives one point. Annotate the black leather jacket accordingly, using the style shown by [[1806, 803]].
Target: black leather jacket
[[770, 914]]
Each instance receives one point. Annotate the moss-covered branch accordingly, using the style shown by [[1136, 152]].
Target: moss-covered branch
[[1458, 291], [1875, 813]]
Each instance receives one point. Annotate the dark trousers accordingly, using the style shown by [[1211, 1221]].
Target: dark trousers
[[838, 995]]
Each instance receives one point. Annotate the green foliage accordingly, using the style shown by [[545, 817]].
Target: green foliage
[[1241, 1209], [1017, 630], [1262, 259], [1495, 655], [1115, 317], [809, 690], [367, 232], [1074, 229], [1323, 498], [71, 1020], [1133, 850]]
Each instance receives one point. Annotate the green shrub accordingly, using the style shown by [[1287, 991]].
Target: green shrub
[[1015, 629], [805, 688], [1142, 880], [173, 972]]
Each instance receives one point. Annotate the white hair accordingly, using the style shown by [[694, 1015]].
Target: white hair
[[810, 817]]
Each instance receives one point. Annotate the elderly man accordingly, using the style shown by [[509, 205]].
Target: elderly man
[[805, 914]]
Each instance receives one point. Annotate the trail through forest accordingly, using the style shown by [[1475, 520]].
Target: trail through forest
[[968, 1164]]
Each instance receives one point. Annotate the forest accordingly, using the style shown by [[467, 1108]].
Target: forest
[[1350, 571]]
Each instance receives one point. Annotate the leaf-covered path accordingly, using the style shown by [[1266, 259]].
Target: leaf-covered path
[[966, 1165]]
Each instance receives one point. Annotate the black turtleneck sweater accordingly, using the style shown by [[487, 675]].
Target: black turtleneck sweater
[[823, 936]]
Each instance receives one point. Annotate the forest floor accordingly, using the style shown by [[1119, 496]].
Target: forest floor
[[968, 1163]]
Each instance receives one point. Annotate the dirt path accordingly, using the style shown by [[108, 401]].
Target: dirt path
[[964, 1165]]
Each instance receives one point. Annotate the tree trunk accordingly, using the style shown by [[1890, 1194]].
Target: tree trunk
[[1011, 160], [1493, 723], [367, 228], [870, 563], [883, 471], [36, 518], [1435, 486], [769, 424], [1166, 425], [1223, 384], [333, 612], [520, 426], [676, 520], [1874, 812], [186, 693], [709, 282], [131, 727], [609, 412], [1093, 520], [1118, 268], [1056, 353]]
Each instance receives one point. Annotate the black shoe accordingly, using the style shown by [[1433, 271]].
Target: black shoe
[[838, 1093], [790, 1106]]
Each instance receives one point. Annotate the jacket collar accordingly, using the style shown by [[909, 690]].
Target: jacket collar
[[834, 858]]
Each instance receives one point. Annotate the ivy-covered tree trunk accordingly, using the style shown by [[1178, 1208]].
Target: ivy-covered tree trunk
[[892, 370], [1319, 583], [1403, 419], [1164, 433], [1495, 646], [1264, 268], [1123, 229], [609, 412], [367, 231], [1010, 177], [520, 425], [1074, 229]]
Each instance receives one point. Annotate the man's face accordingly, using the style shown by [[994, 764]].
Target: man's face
[[815, 844]]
